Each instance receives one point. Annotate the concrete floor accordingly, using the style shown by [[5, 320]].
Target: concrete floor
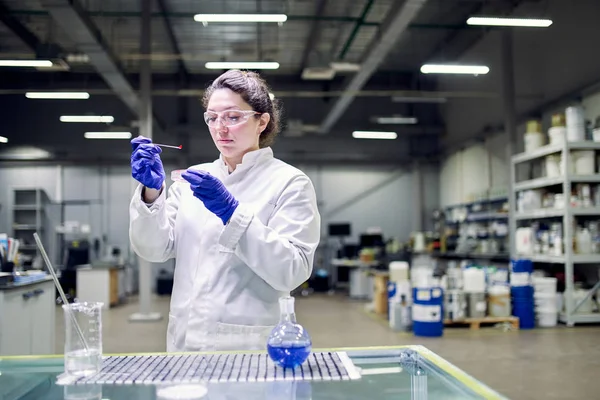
[[557, 363]]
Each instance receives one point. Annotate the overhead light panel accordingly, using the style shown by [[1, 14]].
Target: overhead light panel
[[3, 139], [401, 99], [206, 18], [107, 135], [374, 135], [107, 119], [520, 22], [26, 63], [454, 69], [396, 120], [241, 65], [58, 95], [344, 67]]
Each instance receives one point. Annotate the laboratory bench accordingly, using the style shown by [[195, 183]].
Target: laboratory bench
[[406, 372]]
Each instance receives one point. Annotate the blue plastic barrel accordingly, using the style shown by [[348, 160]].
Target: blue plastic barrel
[[428, 311], [522, 266], [523, 305], [522, 292]]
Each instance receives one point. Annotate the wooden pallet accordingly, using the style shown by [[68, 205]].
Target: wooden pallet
[[475, 323]]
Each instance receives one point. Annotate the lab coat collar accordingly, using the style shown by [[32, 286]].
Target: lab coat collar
[[248, 160]]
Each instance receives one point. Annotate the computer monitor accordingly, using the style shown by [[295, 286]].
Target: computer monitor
[[339, 229]]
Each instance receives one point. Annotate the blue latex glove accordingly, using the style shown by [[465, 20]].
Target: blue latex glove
[[146, 165], [212, 192]]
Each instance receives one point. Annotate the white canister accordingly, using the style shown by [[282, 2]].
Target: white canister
[[584, 162], [557, 134], [575, 120], [553, 165], [533, 140], [474, 280], [596, 134]]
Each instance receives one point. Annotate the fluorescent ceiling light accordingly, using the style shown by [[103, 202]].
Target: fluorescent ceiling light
[[242, 65], [107, 135], [524, 22], [374, 135], [240, 18], [87, 118], [454, 69], [344, 67], [400, 99], [25, 153], [26, 63], [58, 95], [396, 120], [3, 139]]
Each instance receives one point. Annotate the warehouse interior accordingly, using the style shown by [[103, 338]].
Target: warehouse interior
[[448, 156]]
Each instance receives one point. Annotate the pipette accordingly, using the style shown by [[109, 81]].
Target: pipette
[[59, 288], [169, 146]]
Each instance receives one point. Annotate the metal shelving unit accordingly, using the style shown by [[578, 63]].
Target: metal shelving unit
[[29, 216], [569, 259]]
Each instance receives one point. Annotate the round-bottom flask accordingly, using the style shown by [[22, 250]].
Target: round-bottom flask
[[289, 344]]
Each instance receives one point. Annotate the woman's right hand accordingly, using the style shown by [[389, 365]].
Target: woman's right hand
[[146, 165]]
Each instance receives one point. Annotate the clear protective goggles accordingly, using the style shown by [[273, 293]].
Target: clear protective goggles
[[228, 118]]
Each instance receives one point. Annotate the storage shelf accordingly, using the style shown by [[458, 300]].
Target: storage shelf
[[483, 216], [554, 148], [24, 207], [577, 258], [557, 212], [538, 183], [24, 227], [501, 257], [580, 318]]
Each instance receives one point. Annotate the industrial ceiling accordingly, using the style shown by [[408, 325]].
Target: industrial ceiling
[[96, 44]]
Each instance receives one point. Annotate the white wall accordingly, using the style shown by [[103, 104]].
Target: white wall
[[365, 196], [474, 171]]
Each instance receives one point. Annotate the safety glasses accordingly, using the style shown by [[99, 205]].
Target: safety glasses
[[227, 118]]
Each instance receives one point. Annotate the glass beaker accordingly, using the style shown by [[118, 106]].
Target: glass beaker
[[83, 338], [289, 344]]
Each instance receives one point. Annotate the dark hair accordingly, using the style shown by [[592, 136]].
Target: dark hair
[[255, 91]]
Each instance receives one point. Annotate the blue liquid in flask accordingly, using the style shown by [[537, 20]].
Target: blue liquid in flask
[[289, 344], [289, 357]]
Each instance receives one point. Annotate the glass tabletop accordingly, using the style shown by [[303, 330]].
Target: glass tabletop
[[407, 372]]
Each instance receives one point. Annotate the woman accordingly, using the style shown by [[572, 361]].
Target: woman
[[243, 229]]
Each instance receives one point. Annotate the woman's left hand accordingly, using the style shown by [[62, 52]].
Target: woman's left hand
[[212, 193]]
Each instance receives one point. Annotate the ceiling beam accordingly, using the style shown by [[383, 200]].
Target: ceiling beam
[[394, 25], [164, 9], [315, 31], [75, 22], [18, 28], [357, 26]]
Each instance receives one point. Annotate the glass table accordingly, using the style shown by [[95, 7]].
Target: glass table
[[406, 372]]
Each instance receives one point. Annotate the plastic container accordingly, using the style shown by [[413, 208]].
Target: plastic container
[[575, 122], [428, 312], [546, 285], [557, 135], [547, 318], [398, 271], [520, 279], [533, 140], [474, 280], [553, 166], [584, 162], [499, 301]]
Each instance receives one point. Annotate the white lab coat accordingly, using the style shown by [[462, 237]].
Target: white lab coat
[[228, 279]]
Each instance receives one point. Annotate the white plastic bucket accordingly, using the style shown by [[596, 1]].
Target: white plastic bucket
[[584, 162], [545, 285], [575, 124], [547, 318]]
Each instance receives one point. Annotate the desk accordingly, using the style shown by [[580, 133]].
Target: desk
[[102, 282], [406, 372]]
